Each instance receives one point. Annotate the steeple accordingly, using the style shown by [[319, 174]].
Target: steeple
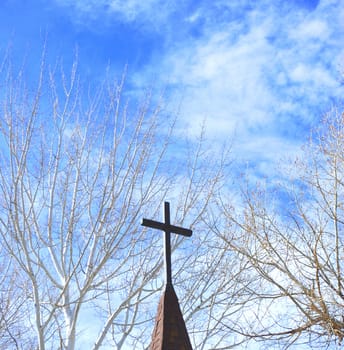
[[170, 332]]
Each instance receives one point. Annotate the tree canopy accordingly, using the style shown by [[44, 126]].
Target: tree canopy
[[81, 165]]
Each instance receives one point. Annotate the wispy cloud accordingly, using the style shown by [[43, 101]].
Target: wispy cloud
[[264, 76], [148, 13], [261, 72]]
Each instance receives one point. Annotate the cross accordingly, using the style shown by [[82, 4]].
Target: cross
[[168, 229]]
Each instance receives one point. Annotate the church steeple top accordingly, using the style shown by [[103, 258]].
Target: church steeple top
[[170, 332]]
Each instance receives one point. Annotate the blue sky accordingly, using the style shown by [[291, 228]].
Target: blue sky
[[260, 73]]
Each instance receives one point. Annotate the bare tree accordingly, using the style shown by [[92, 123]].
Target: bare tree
[[13, 334], [290, 233], [79, 168]]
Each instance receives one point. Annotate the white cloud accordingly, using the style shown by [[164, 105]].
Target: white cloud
[[258, 72], [258, 78], [314, 74], [224, 81], [149, 12], [134, 9], [311, 29]]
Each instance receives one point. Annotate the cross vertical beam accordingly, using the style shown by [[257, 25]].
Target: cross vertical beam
[[168, 229], [167, 244]]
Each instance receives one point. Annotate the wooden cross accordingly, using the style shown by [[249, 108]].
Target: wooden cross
[[168, 229]]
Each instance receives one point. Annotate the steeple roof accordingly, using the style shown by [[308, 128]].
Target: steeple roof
[[170, 331]]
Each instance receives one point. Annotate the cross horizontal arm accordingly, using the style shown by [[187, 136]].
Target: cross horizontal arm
[[167, 228]]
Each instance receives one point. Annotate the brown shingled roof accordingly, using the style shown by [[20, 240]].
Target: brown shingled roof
[[170, 331]]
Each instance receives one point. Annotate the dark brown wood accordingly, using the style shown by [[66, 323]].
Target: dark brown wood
[[162, 226]]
